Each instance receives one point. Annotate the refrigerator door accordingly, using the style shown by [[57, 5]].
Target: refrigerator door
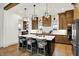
[[77, 32], [74, 34], [77, 50], [75, 37]]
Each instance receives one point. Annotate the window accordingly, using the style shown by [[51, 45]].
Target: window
[[55, 24]]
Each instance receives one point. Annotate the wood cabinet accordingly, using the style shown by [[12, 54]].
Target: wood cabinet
[[35, 23], [62, 39], [25, 25], [62, 21], [25, 28], [46, 21], [69, 16], [65, 18], [76, 13]]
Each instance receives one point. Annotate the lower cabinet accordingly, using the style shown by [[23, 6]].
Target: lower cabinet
[[62, 39]]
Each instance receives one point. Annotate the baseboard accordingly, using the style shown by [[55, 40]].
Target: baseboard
[[63, 43], [0, 46], [9, 44]]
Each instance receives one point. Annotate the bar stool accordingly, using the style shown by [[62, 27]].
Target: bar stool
[[41, 44], [22, 42], [31, 42]]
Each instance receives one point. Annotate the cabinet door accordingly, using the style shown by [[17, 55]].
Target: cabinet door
[[62, 39], [24, 25], [62, 21], [76, 13], [69, 16]]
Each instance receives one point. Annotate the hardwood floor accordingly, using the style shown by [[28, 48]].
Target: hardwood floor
[[13, 51], [63, 50], [60, 50]]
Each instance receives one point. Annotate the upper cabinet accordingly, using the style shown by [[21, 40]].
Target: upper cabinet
[[46, 21], [65, 18], [69, 16], [35, 23], [76, 11], [62, 21]]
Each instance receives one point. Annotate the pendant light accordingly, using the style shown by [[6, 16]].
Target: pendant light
[[34, 16], [25, 18], [46, 18], [25, 11], [46, 12]]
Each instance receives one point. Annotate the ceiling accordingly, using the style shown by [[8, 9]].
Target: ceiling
[[53, 8]]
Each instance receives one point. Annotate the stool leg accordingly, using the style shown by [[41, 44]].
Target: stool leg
[[44, 51], [27, 46], [22, 44], [31, 49], [37, 50]]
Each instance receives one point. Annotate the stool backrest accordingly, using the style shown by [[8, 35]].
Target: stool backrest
[[41, 43]]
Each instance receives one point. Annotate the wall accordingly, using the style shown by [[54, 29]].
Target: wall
[[10, 35], [1, 23]]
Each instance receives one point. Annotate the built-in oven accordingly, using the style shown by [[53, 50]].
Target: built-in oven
[[69, 32], [24, 32]]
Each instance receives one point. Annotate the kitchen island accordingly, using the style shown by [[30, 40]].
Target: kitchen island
[[50, 42]]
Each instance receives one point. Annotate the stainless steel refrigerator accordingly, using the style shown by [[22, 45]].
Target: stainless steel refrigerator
[[75, 37]]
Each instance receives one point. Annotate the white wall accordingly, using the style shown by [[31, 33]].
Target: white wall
[[10, 28], [1, 23]]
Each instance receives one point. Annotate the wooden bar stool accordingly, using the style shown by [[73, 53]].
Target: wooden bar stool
[[41, 44], [22, 42], [31, 43]]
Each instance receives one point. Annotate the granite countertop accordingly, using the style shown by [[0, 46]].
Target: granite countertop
[[59, 32], [55, 32], [39, 37]]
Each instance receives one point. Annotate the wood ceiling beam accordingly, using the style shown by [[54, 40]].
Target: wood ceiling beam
[[10, 5]]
